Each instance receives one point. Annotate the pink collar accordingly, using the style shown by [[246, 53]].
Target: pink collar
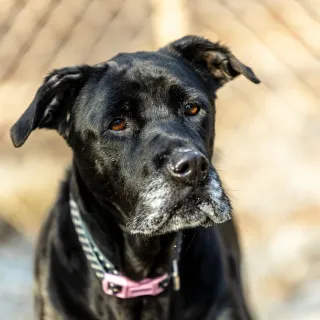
[[123, 287]]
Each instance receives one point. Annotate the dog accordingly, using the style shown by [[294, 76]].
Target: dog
[[141, 228]]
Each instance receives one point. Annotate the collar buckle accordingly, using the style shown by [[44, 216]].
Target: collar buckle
[[126, 288]]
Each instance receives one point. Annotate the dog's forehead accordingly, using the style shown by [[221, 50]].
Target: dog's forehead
[[149, 66], [149, 75], [140, 82]]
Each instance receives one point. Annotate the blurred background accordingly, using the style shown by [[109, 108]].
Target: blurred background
[[268, 136]]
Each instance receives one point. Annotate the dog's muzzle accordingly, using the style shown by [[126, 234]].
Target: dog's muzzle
[[164, 207]]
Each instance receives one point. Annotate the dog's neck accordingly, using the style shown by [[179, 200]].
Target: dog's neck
[[135, 256]]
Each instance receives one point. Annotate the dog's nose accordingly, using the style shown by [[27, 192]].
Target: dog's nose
[[188, 166]]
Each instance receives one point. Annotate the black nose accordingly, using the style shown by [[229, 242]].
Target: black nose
[[188, 166]]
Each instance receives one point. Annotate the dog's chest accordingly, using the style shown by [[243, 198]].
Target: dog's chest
[[146, 308]]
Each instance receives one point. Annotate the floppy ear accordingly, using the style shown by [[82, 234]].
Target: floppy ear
[[51, 104], [214, 57]]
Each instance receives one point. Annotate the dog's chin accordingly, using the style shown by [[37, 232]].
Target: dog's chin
[[186, 216], [178, 223], [162, 209]]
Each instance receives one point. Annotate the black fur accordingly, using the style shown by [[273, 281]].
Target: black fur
[[114, 172]]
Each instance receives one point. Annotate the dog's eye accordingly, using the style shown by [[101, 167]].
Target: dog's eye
[[191, 109], [118, 125]]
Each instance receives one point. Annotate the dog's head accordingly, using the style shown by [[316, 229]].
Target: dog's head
[[141, 127]]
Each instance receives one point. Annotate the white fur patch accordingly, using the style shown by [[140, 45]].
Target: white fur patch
[[156, 206], [221, 204]]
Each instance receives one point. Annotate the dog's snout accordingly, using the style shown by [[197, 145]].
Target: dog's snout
[[188, 166]]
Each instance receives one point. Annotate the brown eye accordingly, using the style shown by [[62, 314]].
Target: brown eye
[[118, 125], [191, 109]]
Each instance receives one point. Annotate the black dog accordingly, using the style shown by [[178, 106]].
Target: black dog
[[141, 199]]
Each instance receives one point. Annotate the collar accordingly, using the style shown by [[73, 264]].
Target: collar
[[113, 282]]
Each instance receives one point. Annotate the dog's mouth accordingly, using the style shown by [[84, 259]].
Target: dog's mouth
[[163, 208]]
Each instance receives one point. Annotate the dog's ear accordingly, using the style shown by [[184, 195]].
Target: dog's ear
[[214, 57], [52, 103]]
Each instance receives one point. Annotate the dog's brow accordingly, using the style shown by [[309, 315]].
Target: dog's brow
[[194, 95]]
